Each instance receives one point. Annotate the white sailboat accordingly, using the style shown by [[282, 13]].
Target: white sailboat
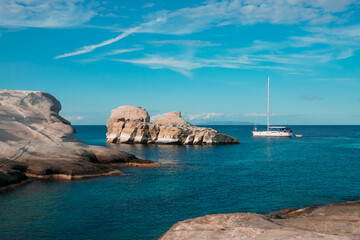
[[271, 130]]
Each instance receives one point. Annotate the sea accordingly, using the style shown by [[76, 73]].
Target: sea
[[258, 175]]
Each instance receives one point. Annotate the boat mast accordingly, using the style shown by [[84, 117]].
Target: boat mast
[[268, 105]]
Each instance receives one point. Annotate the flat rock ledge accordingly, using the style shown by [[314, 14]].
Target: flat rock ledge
[[36, 142], [131, 124], [337, 221]]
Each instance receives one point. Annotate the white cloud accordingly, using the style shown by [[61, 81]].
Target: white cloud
[[263, 114], [259, 55], [44, 14], [110, 53], [342, 39], [119, 51], [111, 15], [330, 5], [90, 48], [157, 116], [212, 13], [76, 118], [339, 43], [310, 97], [246, 12], [183, 66], [336, 79], [149, 5], [215, 115], [197, 116], [195, 43]]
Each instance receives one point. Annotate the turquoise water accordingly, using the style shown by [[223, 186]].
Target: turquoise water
[[259, 175]]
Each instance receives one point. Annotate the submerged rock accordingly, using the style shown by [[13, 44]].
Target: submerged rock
[[35, 141], [131, 124], [340, 221]]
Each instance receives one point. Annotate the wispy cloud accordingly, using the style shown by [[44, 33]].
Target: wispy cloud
[[212, 13], [194, 43], [335, 79], [110, 53], [44, 14], [119, 51], [338, 43], [183, 66], [76, 118], [311, 97], [111, 15], [157, 116], [90, 48], [259, 55], [149, 5], [216, 115], [197, 116], [263, 114], [239, 12]]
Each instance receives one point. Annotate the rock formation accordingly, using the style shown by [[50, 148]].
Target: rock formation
[[340, 221], [36, 142], [172, 118], [131, 124]]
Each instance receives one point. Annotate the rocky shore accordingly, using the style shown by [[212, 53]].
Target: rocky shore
[[336, 221], [131, 124], [36, 142]]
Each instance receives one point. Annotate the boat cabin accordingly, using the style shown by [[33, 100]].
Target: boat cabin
[[281, 129]]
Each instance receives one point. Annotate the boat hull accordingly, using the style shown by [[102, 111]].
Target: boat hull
[[271, 134]]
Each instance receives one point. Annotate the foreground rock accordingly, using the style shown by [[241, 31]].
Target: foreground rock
[[130, 124], [36, 142], [340, 221]]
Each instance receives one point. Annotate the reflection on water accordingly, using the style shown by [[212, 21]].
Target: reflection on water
[[159, 153], [257, 175]]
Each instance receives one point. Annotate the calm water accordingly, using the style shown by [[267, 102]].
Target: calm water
[[259, 175]]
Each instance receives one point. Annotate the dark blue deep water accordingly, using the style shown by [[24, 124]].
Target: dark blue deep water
[[259, 175]]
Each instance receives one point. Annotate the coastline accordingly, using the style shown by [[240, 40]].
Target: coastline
[[36, 142], [73, 177], [136, 164], [67, 177], [14, 186]]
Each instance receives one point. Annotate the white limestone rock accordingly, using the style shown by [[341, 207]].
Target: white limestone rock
[[33, 134], [340, 221], [170, 129], [172, 118]]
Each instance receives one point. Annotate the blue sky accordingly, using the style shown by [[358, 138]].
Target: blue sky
[[209, 60]]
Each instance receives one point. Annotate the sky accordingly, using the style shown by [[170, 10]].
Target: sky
[[208, 59]]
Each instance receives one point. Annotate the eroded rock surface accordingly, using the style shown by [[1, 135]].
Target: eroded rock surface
[[172, 118], [341, 221], [131, 124], [35, 141]]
